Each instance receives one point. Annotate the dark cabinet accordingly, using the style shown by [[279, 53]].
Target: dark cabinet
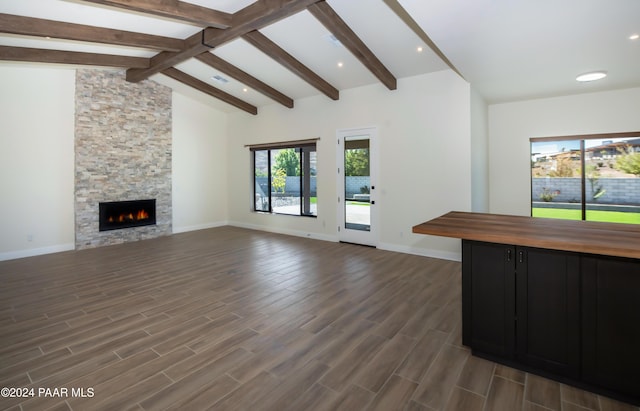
[[488, 309], [611, 323], [548, 310], [571, 316], [522, 303]]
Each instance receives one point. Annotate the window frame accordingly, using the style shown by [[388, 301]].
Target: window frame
[[581, 139], [304, 148]]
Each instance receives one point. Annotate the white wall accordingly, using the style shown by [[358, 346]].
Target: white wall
[[199, 183], [431, 140], [424, 141], [479, 153], [37, 108], [512, 124], [36, 160]]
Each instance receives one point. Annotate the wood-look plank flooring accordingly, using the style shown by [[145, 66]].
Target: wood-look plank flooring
[[234, 319]]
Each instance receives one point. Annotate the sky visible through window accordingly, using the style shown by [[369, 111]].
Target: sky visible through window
[[550, 147], [599, 184]]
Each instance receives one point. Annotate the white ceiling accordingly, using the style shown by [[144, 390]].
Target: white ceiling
[[508, 50], [521, 49]]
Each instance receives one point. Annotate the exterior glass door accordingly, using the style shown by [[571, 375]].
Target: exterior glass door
[[356, 198]]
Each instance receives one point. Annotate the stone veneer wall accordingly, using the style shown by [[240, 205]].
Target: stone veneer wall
[[122, 152]]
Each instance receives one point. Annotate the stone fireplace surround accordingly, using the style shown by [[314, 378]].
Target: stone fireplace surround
[[122, 152]]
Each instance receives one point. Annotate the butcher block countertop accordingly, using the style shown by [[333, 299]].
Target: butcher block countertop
[[613, 239]]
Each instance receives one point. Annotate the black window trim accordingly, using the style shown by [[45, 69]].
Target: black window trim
[[581, 139], [298, 145]]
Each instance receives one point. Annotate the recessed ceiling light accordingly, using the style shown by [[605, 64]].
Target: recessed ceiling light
[[635, 36], [419, 49], [245, 89], [591, 76], [340, 64]]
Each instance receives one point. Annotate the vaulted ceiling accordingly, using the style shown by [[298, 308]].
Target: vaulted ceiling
[[248, 53]]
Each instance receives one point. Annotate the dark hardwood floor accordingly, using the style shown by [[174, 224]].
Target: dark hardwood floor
[[234, 319]]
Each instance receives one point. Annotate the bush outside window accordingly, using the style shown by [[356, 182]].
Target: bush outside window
[[284, 179], [595, 178]]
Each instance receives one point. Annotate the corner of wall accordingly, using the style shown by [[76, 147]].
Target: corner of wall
[[480, 184]]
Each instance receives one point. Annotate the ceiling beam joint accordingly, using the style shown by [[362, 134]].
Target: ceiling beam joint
[[257, 15]]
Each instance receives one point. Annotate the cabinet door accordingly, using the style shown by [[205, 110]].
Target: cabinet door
[[488, 298], [548, 310], [611, 323]]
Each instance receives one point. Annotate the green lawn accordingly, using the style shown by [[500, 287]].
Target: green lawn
[[358, 203], [604, 216]]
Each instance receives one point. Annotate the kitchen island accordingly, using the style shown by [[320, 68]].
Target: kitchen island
[[554, 297]]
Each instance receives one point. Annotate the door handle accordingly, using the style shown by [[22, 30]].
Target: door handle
[[373, 202]]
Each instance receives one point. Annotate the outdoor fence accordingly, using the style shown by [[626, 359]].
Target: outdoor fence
[[568, 190], [353, 185]]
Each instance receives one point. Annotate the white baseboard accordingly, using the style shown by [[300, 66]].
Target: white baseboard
[[452, 256], [277, 230], [12, 255], [31, 252], [177, 230], [444, 255]]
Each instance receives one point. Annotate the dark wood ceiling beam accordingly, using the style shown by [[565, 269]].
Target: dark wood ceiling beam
[[28, 26], [245, 78], [334, 23], [210, 90], [259, 14], [400, 11], [255, 16], [174, 9], [69, 57], [167, 59], [264, 44]]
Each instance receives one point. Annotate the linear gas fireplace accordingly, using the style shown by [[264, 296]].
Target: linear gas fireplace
[[124, 214]]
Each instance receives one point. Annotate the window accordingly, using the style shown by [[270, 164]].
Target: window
[[284, 178], [595, 178]]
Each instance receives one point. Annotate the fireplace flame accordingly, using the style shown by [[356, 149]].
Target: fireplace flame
[[124, 217]]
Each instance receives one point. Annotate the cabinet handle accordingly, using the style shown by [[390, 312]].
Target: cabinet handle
[[521, 256], [508, 255]]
